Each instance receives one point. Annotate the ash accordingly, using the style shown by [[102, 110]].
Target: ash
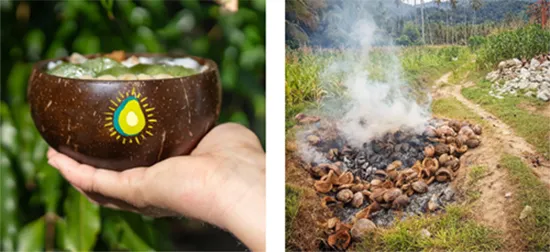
[[440, 195]]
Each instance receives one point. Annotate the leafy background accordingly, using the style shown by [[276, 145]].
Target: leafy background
[[38, 210]]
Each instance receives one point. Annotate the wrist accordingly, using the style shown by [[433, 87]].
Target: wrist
[[244, 214]]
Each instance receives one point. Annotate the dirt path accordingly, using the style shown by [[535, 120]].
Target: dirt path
[[492, 205], [504, 138]]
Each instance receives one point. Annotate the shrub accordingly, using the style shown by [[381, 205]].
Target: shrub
[[475, 42], [525, 43]]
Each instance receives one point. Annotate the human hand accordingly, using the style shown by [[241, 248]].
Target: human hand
[[221, 182]]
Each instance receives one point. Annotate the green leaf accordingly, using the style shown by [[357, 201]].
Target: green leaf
[[118, 234], [17, 83], [35, 43], [83, 223], [149, 39], [86, 43], [8, 132], [239, 117], [8, 204], [56, 50], [49, 182], [27, 136], [31, 237], [140, 16]]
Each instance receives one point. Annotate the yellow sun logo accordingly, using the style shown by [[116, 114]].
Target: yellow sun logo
[[131, 118]]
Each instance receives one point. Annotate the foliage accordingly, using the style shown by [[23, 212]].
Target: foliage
[[292, 204], [412, 33], [328, 23], [524, 42], [537, 129], [475, 42], [40, 211]]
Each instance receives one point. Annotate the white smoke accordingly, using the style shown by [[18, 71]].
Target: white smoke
[[374, 106]]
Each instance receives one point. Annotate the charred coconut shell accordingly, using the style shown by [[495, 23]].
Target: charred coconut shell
[[472, 143], [429, 151], [477, 129], [441, 149], [400, 202], [391, 194], [357, 200], [430, 164], [444, 175], [345, 195], [420, 186]]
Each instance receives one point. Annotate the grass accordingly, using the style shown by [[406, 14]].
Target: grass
[[535, 229], [454, 230], [534, 128], [452, 108], [292, 205], [477, 173]]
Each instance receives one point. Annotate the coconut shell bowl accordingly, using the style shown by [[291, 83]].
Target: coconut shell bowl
[[120, 124]]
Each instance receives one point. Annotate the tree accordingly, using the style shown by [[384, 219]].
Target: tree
[[539, 12], [302, 17], [476, 5], [422, 16]]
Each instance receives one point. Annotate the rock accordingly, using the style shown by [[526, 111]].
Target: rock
[[529, 94], [508, 195], [492, 76], [524, 73], [517, 62], [424, 233], [362, 227], [432, 204], [523, 84], [525, 212], [448, 194], [543, 95], [538, 78], [502, 65], [534, 63]]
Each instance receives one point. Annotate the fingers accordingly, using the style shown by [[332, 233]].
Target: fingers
[[125, 185], [227, 135]]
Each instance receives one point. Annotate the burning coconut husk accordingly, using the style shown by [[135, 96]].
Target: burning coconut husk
[[399, 174]]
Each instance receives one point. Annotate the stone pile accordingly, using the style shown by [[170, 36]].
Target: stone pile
[[522, 77]]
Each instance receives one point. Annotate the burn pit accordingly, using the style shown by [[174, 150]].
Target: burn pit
[[402, 173]]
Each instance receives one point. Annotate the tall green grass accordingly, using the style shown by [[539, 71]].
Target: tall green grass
[[524, 42]]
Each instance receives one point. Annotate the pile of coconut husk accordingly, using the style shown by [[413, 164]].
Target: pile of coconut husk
[[399, 174]]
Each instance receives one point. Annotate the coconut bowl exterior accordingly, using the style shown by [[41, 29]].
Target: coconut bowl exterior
[[117, 125]]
